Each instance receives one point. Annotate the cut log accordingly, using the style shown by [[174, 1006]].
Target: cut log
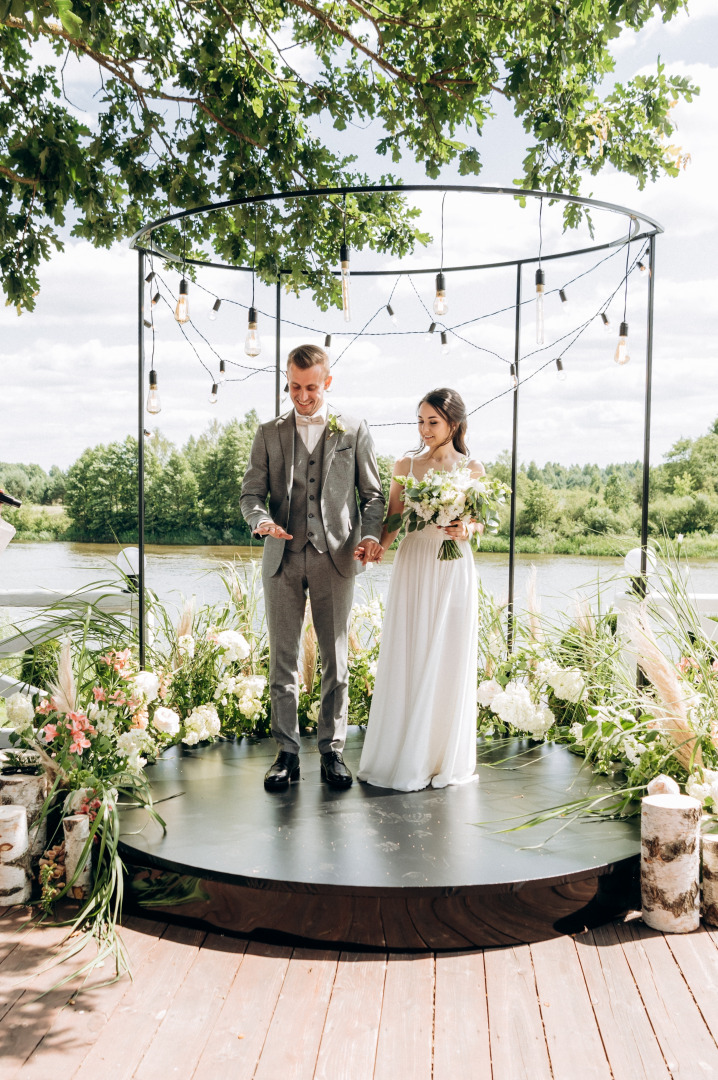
[[15, 884], [670, 862], [18, 789], [709, 847], [77, 830]]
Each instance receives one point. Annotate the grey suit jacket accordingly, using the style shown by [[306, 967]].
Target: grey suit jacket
[[349, 471]]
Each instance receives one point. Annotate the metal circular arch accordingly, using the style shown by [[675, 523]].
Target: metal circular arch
[[641, 226]]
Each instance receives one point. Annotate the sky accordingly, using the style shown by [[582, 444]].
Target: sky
[[69, 369]]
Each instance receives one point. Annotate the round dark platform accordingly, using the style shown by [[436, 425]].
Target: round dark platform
[[373, 867]]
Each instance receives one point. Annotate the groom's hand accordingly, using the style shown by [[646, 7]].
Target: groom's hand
[[369, 551], [268, 528]]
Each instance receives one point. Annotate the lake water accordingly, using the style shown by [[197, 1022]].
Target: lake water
[[174, 572]]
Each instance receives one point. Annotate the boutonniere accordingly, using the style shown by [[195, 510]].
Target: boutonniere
[[334, 425]]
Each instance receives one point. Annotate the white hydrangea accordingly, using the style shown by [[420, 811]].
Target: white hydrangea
[[513, 705], [633, 749], [147, 684], [102, 719], [703, 786], [186, 646], [487, 691], [568, 684], [248, 690], [576, 731], [233, 645], [130, 745], [20, 711], [166, 721], [202, 723], [540, 721]]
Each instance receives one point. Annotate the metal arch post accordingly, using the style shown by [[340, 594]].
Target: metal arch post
[[647, 414], [141, 455], [278, 346], [514, 449]]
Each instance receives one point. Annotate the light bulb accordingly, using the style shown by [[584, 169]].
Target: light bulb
[[213, 395], [153, 398], [222, 372], [562, 295], [643, 267], [252, 344], [621, 355], [392, 316], [156, 299], [560, 373], [440, 305], [444, 342], [147, 324], [514, 380], [606, 322], [432, 328], [149, 277], [328, 341], [215, 308], [540, 287], [182, 309], [346, 300]]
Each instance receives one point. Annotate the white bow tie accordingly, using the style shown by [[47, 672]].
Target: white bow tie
[[305, 421]]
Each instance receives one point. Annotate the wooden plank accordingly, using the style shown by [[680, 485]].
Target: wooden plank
[[628, 1036], [687, 1045], [37, 949], [293, 1038], [76, 1020], [348, 1047], [182, 1035], [461, 1018], [566, 1009], [518, 1044], [697, 957], [15, 924], [131, 1028], [241, 1027], [404, 1048]]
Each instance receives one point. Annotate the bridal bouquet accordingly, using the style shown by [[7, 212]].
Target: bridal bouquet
[[445, 498]]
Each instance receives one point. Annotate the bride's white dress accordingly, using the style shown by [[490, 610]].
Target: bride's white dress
[[422, 722]]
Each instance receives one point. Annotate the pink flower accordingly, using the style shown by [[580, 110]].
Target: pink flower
[[714, 665], [118, 698], [687, 662], [116, 660], [79, 743], [50, 732], [99, 693]]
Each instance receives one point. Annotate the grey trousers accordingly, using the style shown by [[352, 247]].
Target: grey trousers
[[301, 574]]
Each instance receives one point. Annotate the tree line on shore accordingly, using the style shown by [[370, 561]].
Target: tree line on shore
[[192, 495]]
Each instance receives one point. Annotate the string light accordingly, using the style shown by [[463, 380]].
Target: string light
[[621, 355], [540, 284], [215, 308], [432, 328], [156, 299], [153, 398], [440, 305], [562, 295], [444, 342], [182, 309], [512, 373], [222, 372], [213, 394], [606, 322], [252, 343], [560, 373], [149, 277], [392, 316]]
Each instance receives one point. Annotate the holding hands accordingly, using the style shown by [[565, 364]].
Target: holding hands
[[368, 551]]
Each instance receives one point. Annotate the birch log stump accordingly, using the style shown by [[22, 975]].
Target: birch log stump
[[76, 828], [670, 862], [18, 789], [710, 878], [15, 883]]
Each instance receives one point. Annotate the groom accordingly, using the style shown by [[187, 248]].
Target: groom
[[313, 465]]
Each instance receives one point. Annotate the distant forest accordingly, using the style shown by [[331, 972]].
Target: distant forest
[[192, 495]]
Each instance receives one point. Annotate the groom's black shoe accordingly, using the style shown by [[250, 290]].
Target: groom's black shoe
[[283, 770], [334, 771]]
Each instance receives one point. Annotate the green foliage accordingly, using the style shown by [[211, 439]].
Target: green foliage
[[200, 102]]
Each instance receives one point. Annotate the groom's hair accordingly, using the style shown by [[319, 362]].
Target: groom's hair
[[306, 356]]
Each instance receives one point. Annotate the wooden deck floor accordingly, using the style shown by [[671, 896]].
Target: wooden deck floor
[[621, 1001]]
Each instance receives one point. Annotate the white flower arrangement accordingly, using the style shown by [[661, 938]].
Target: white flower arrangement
[[166, 721], [487, 692], [248, 689], [20, 711], [202, 723], [513, 705], [147, 684], [567, 683], [233, 645]]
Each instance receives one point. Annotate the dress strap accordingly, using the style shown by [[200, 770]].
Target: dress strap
[[411, 465]]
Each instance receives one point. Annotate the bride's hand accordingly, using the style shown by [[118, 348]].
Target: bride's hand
[[458, 530]]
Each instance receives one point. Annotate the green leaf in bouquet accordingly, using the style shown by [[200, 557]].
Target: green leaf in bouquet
[[393, 522]]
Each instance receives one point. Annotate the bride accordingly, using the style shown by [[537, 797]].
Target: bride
[[422, 723]]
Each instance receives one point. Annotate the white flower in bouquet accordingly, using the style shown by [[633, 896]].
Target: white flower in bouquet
[[166, 721], [234, 645], [147, 684], [568, 684], [487, 691], [251, 707], [186, 646], [540, 722], [513, 705], [633, 749], [130, 745], [20, 711], [703, 786], [202, 723], [255, 684], [101, 718]]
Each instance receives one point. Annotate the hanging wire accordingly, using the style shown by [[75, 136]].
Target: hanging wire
[[254, 253], [540, 231], [625, 293], [443, 200]]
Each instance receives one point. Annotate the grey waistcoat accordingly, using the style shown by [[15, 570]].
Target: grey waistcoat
[[305, 510]]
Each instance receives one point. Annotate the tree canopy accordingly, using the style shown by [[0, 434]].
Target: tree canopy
[[203, 101]]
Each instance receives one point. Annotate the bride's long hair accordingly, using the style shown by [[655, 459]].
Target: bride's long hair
[[449, 404]]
